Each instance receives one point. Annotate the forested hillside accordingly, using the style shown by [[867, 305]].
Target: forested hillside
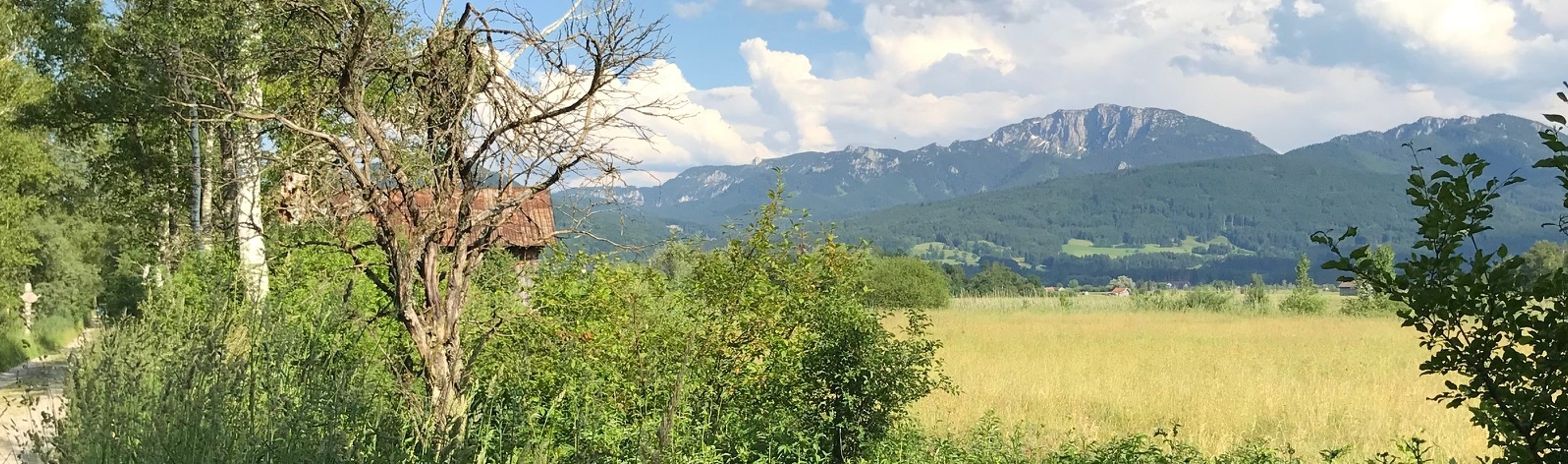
[[1288, 199]]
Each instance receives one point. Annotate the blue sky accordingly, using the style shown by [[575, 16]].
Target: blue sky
[[764, 78]]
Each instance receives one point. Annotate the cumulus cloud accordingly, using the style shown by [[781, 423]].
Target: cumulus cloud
[[823, 20], [938, 71], [1477, 30], [942, 70], [691, 134], [1307, 8], [785, 5], [691, 9]]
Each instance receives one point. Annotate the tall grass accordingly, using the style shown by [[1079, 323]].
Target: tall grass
[[1104, 368]]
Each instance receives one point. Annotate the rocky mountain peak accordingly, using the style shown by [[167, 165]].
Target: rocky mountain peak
[[1429, 125], [1071, 133]]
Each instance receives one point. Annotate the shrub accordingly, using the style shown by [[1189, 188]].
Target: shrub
[[1208, 298], [762, 351], [1304, 301], [1257, 294], [904, 282]]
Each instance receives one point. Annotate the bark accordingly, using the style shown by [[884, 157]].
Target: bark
[[247, 177], [198, 190], [204, 169]]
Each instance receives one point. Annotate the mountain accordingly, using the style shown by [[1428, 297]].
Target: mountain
[[859, 179], [1511, 143], [1261, 208]]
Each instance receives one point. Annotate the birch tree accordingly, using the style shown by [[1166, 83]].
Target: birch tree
[[412, 122]]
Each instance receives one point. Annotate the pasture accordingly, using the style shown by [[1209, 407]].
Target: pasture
[[1104, 368]]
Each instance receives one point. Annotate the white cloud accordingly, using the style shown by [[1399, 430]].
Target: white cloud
[[935, 73], [1476, 30], [785, 5], [696, 135], [691, 9], [1307, 8], [1552, 12], [942, 70], [823, 20]]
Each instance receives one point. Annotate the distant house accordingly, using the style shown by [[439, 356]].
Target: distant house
[[1049, 289], [1347, 288], [1120, 291], [526, 230]]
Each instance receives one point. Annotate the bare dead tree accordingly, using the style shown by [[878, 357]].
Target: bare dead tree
[[415, 120]]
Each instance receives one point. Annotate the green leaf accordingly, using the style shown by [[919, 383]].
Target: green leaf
[[1557, 118]]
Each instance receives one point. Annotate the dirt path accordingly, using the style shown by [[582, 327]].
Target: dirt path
[[27, 393]]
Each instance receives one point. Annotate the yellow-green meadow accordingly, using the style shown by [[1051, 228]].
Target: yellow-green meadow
[[1102, 368]]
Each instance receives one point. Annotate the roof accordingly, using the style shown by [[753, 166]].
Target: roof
[[531, 223], [1347, 284], [1120, 290]]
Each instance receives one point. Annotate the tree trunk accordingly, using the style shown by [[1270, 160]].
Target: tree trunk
[[198, 185], [204, 169], [247, 178]]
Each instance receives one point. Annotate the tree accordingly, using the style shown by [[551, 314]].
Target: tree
[[904, 282], [1492, 325], [998, 279], [1304, 298], [1543, 258], [1369, 299], [416, 123], [1122, 281]]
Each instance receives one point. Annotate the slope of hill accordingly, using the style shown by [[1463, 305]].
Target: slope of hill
[[1265, 204], [858, 179]]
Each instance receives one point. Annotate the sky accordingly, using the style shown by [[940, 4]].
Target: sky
[[766, 78]]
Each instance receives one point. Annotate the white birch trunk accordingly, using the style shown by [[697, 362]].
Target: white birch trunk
[[247, 199]]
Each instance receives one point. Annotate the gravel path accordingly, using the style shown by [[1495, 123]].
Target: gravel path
[[27, 393]]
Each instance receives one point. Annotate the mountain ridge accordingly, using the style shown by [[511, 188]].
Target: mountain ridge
[[859, 179]]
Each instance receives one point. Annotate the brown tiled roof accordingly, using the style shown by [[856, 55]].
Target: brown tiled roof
[[530, 224]]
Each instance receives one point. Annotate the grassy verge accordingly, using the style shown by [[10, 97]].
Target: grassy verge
[[1104, 369], [49, 335]]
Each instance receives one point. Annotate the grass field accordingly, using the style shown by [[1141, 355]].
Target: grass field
[[1104, 369], [1080, 248]]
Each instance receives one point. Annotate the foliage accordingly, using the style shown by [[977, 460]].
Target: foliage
[[1492, 327], [1209, 298], [999, 280], [990, 442], [904, 282], [1544, 257], [1369, 300], [1257, 293], [1123, 282], [204, 377], [1305, 297], [762, 350]]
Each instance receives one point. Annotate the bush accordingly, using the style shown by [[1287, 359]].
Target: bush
[[1257, 294], [1304, 301], [1208, 298], [763, 350], [905, 282]]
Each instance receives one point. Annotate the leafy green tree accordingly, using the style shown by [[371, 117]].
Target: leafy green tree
[[1369, 299], [1493, 327], [1304, 298], [1123, 282], [998, 279], [905, 282], [1544, 258]]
